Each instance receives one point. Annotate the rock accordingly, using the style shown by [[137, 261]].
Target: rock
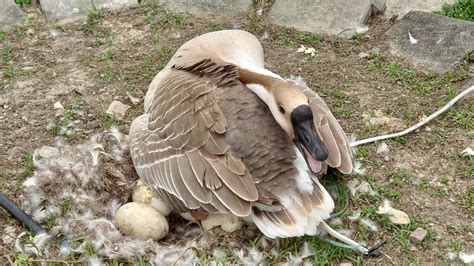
[[363, 55], [117, 109], [92, 125], [365, 188], [442, 42], [417, 236], [228, 222], [141, 221], [58, 105], [132, 99], [46, 152], [144, 195], [395, 216], [324, 16], [10, 14], [207, 6], [402, 7], [379, 119], [346, 263], [66, 11], [355, 186], [398, 217]]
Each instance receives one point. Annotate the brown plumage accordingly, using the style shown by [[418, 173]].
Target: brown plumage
[[208, 143]]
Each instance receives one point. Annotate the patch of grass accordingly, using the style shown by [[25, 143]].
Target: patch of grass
[[362, 151], [108, 55], [216, 26], [109, 76], [455, 245], [161, 18], [2, 34], [22, 259], [309, 38], [469, 202], [463, 9], [23, 3], [358, 38], [7, 59], [28, 169]]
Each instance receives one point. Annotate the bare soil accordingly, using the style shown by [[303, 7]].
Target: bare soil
[[86, 67]]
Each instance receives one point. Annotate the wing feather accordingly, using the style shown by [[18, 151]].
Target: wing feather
[[180, 148]]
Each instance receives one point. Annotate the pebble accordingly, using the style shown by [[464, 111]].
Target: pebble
[[92, 125], [398, 217], [46, 152], [363, 55], [132, 99], [58, 106], [418, 235], [117, 109]]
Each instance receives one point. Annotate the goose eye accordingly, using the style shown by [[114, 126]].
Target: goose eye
[[281, 109]]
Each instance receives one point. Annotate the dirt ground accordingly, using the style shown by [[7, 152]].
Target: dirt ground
[[86, 67]]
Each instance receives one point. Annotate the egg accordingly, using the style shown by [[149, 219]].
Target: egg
[[141, 221], [228, 222], [144, 195]]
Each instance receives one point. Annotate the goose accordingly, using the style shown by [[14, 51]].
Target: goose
[[222, 134]]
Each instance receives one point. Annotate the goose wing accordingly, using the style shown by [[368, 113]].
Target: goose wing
[[179, 146], [330, 132]]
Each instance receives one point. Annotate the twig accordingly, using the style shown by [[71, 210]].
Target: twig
[[419, 124], [9, 260]]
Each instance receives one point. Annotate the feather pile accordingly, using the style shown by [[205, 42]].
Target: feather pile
[[75, 192]]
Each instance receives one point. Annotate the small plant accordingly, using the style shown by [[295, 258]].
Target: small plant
[[2, 34], [28, 169], [92, 19], [310, 38]]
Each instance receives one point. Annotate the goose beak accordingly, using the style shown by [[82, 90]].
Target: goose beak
[[310, 144]]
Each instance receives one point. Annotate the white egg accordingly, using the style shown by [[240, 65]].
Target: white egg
[[140, 220], [144, 195], [228, 222]]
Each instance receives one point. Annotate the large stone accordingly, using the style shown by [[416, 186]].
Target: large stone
[[10, 14], [441, 42], [207, 6], [402, 7], [66, 11], [324, 16]]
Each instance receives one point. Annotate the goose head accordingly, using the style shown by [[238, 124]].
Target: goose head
[[290, 108]]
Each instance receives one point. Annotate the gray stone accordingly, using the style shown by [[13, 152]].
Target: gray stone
[[441, 42], [117, 109], [66, 11], [46, 152], [344, 17], [207, 6], [402, 7], [10, 14], [417, 236]]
